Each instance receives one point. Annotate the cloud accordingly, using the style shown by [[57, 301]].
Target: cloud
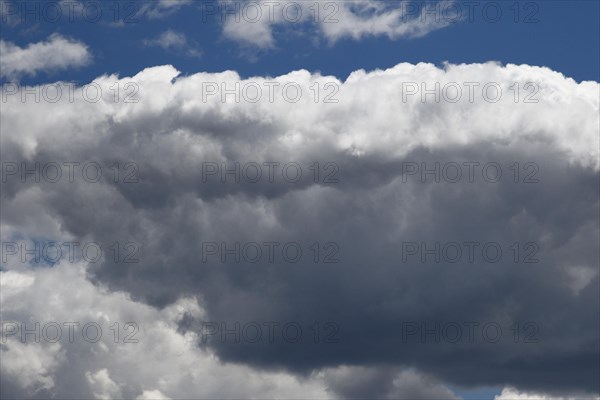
[[102, 386], [152, 395], [158, 9], [168, 40], [360, 19], [254, 25], [56, 53], [513, 394], [377, 126], [173, 41], [384, 383], [163, 364]]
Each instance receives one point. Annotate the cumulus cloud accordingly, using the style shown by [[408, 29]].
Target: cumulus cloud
[[162, 364], [378, 125], [56, 53]]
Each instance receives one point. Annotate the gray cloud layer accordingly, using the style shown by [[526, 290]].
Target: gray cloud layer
[[371, 134]]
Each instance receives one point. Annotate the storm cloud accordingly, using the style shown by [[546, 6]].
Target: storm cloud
[[446, 235]]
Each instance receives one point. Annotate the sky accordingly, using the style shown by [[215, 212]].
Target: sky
[[562, 35], [311, 199]]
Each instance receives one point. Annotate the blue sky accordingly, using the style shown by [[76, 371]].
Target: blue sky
[[543, 40]]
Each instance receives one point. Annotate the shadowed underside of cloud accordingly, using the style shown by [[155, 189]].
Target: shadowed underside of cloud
[[371, 134]]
